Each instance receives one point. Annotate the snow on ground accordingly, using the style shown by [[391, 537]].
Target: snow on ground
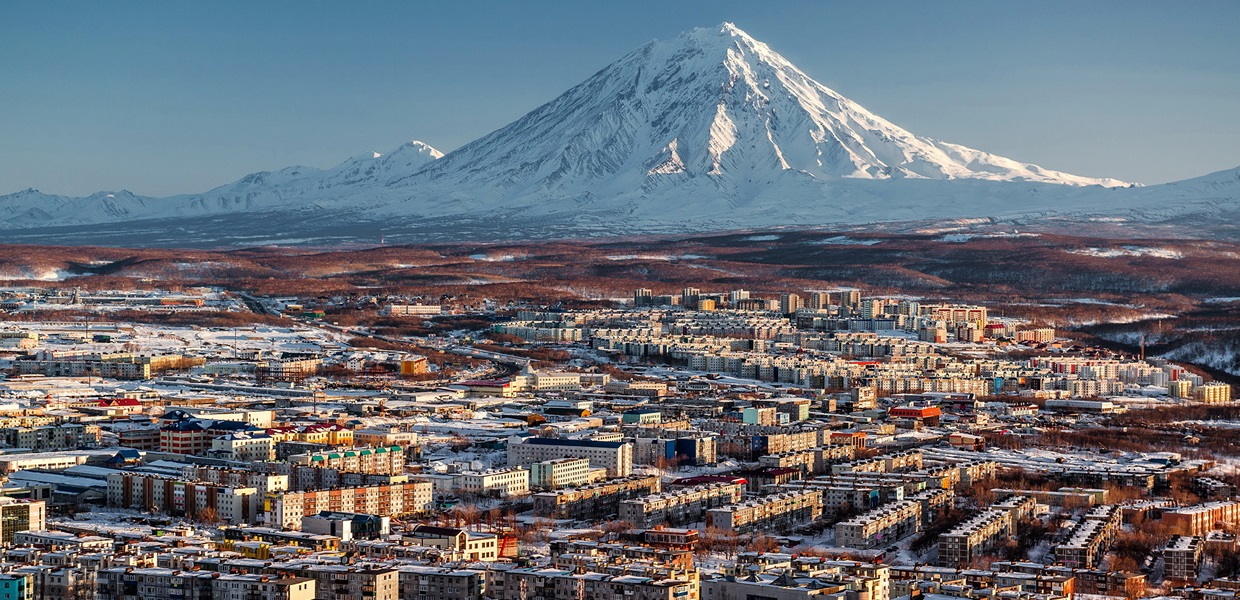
[[45, 275], [843, 240], [1127, 251], [656, 257], [957, 238]]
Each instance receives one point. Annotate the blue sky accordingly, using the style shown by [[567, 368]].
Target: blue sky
[[161, 98]]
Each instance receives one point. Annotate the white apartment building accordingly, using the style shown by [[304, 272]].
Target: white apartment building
[[560, 473], [513, 481], [616, 457], [244, 446]]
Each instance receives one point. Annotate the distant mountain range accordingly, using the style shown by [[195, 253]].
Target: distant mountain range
[[712, 130]]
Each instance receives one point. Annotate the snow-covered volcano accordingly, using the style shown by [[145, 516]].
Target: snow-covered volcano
[[712, 104], [710, 130]]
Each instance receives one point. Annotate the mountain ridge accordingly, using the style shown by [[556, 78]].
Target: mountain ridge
[[710, 129]]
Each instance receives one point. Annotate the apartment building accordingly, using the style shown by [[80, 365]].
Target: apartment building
[[253, 586], [350, 582], [247, 446], [419, 582], [680, 506], [385, 437], [305, 477], [509, 482], [1091, 537], [595, 501], [683, 449], [1182, 557], [263, 482], [1215, 392], [880, 526], [975, 537], [557, 584], [985, 531], [268, 372], [65, 436], [560, 473], [1087, 581], [384, 460], [934, 502], [778, 513], [129, 583], [1202, 518], [811, 461], [411, 310], [156, 493], [21, 515], [616, 457], [113, 366], [286, 509]]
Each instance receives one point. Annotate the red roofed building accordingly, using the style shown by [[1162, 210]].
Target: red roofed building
[[927, 414]]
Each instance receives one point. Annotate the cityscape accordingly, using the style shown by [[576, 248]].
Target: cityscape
[[661, 315], [711, 443]]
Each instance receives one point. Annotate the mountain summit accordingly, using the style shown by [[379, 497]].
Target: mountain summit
[[710, 130], [712, 104]]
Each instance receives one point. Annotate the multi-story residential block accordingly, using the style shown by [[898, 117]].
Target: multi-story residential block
[[385, 437], [1091, 537], [616, 457], [397, 499], [244, 446], [556, 584], [881, 526], [985, 531], [1215, 392], [1200, 519], [384, 460], [350, 582], [686, 448], [201, 500], [253, 586], [560, 473], [129, 583], [779, 513], [418, 582], [263, 482], [274, 371], [113, 366], [21, 515], [975, 537], [680, 506], [508, 482], [1182, 557], [595, 501], [65, 436]]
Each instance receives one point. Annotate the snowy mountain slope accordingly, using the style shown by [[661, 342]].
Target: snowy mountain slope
[[286, 189], [709, 130], [714, 111]]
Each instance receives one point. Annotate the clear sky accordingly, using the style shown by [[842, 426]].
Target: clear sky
[[170, 97]]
